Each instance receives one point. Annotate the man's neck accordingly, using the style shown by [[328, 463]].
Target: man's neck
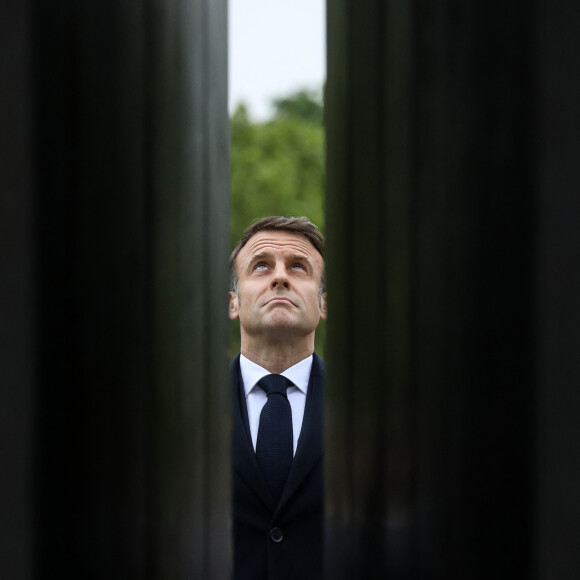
[[276, 358]]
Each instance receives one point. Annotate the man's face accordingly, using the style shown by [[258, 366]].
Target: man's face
[[279, 276]]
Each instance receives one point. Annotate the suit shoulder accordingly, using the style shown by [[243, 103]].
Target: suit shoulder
[[318, 365], [319, 360], [235, 362], [235, 369]]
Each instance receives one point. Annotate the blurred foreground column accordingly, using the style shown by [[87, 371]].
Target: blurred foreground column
[[114, 234], [452, 431]]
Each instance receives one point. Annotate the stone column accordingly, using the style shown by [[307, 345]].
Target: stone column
[[452, 225], [116, 265]]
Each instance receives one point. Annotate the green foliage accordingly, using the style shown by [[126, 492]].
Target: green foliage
[[304, 105], [277, 168]]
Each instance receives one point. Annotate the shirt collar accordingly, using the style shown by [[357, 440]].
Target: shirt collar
[[299, 373]]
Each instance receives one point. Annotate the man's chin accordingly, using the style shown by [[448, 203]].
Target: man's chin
[[282, 328]]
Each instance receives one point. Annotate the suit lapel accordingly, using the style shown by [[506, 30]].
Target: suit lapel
[[309, 449], [244, 458]]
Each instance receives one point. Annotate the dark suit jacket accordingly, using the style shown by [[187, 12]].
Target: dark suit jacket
[[282, 542]]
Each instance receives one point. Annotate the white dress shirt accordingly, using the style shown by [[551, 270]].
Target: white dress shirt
[[256, 398]]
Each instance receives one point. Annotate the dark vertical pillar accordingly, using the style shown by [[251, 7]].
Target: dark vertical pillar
[[450, 440], [116, 278], [17, 367], [370, 129], [557, 278]]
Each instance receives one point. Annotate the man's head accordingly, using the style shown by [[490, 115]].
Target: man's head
[[301, 226], [277, 271]]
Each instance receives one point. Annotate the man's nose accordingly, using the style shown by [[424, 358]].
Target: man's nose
[[280, 276]]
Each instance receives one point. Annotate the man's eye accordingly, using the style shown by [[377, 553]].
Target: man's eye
[[260, 266], [299, 266]]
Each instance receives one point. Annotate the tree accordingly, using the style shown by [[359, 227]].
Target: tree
[[304, 104]]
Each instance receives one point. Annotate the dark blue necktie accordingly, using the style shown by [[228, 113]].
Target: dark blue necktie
[[274, 447]]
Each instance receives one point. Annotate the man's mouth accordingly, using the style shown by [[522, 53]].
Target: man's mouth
[[281, 300]]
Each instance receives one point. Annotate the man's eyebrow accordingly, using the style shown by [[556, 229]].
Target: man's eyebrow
[[291, 258], [260, 256], [299, 257]]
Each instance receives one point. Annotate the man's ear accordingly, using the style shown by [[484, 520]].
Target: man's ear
[[233, 310], [323, 306]]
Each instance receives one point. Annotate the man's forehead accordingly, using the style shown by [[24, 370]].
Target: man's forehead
[[272, 241]]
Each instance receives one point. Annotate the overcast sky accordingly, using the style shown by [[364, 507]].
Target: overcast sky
[[275, 47]]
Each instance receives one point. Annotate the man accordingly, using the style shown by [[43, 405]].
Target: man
[[277, 379]]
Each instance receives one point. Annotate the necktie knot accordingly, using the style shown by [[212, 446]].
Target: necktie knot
[[274, 384]]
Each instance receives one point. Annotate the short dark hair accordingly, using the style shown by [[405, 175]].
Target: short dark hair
[[300, 226]]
